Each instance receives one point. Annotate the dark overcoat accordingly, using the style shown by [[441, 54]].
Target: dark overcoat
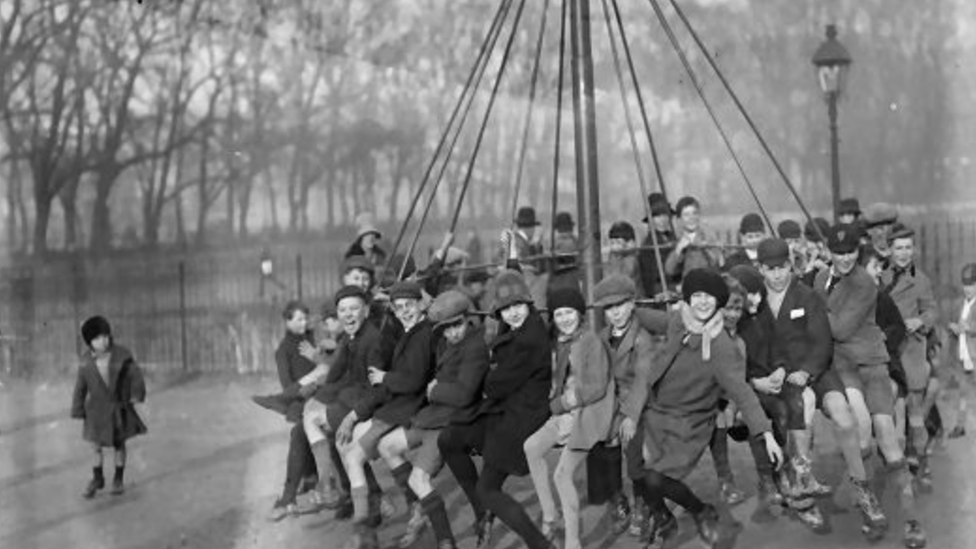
[[676, 399], [401, 393], [516, 393], [460, 375], [107, 408]]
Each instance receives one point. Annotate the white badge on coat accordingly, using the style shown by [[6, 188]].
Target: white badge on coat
[[797, 313]]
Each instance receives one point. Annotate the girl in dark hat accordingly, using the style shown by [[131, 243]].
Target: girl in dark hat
[[675, 401], [582, 405], [516, 405], [108, 386]]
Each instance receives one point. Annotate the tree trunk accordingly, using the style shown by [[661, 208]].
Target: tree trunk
[[42, 218], [100, 238]]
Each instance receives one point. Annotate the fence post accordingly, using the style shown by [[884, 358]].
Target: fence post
[[298, 275], [183, 315]]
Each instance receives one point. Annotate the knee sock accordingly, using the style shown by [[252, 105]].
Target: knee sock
[[371, 483], [433, 506], [360, 503], [719, 446], [758, 449], [401, 475], [340, 468], [902, 479], [97, 474], [323, 462], [119, 472]]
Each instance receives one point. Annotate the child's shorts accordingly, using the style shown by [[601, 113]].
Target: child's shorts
[[370, 440], [874, 383], [427, 455]]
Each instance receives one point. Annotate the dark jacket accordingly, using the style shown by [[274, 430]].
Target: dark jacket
[[516, 392], [755, 332], [650, 276], [851, 308], [292, 366], [460, 374], [110, 418], [401, 394], [389, 328], [893, 325], [347, 383], [800, 334]]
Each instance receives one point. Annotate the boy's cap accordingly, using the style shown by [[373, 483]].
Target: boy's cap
[[351, 291], [448, 308], [849, 206], [774, 252], [623, 231], [880, 213], [751, 223], [614, 289], [899, 230], [358, 262], [843, 239], [406, 289], [789, 229], [969, 274]]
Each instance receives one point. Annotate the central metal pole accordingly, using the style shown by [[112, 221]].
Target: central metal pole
[[587, 173], [834, 154]]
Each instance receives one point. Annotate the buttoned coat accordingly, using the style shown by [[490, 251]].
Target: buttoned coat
[[403, 389], [516, 392], [851, 310], [912, 293], [592, 400], [107, 407], [676, 399], [460, 373], [347, 383], [800, 333], [634, 352]]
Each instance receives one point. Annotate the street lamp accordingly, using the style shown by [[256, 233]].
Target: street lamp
[[832, 61]]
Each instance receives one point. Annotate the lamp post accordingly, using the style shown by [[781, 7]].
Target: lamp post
[[832, 61]]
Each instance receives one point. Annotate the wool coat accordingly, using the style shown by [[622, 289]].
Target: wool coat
[[852, 310], [347, 383], [107, 407], [590, 399], [677, 397], [912, 292], [401, 393], [632, 352], [801, 338], [460, 373], [516, 392]]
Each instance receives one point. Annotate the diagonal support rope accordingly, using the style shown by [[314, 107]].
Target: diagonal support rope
[[487, 46], [507, 4], [484, 124], [633, 143], [708, 107], [745, 114], [559, 124], [528, 115]]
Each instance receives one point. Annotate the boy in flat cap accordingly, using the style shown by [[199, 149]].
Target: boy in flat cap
[[395, 397], [452, 396], [911, 290], [631, 348], [752, 231], [650, 283], [962, 347], [623, 257], [861, 360], [109, 384]]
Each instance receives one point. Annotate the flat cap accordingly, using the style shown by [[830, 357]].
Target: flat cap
[[614, 289], [789, 229], [773, 252], [405, 289], [350, 291], [899, 230], [843, 239], [358, 262], [751, 223], [448, 307]]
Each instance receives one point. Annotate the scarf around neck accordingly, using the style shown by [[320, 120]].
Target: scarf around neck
[[707, 330]]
